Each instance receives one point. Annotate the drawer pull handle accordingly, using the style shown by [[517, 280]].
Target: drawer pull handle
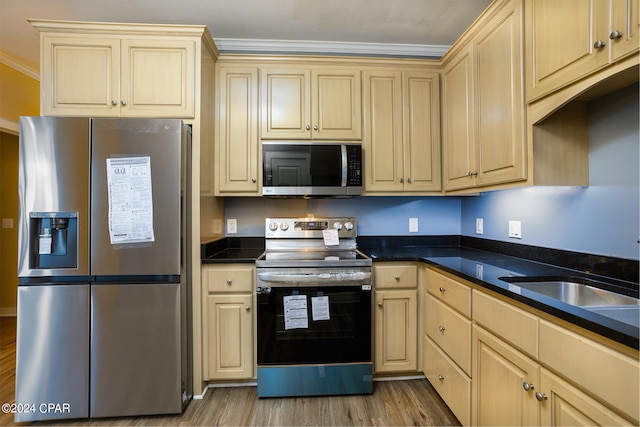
[[441, 328], [599, 44], [526, 386], [541, 396], [442, 289], [397, 278], [440, 377], [229, 282]]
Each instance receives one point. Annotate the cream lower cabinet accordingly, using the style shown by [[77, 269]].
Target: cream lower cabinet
[[229, 321], [395, 317], [483, 109], [504, 384], [447, 342], [402, 131], [123, 70], [237, 144], [311, 103]]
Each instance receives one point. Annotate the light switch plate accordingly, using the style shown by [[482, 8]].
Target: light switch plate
[[413, 225], [479, 226], [232, 226], [515, 229], [7, 222]]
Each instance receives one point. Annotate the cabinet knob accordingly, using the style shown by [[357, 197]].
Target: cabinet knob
[[615, 34], [441, 377], [113, 102], [599, 44], [229, 282], [409, 180], [315, 127], [397, 278], [441, 328], [401, 180], [379, 304], [123, 103], [473, 173], [247, 308], [526, 386], [441, 289], [541, 396], [253, 180], [307, 127]]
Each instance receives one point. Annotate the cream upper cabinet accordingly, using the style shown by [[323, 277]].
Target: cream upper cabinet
[[105, 75], [484, 138], [568, 40], [401, 131], [237, 143], [318, 103]]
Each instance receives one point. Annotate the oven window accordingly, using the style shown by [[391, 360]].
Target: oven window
[[314, 325]]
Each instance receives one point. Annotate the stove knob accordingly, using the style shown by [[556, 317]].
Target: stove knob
[[273, 226], [348, 226], [284, 226], [337, 225]]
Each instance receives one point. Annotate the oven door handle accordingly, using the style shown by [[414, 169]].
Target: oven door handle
[[321, 278]]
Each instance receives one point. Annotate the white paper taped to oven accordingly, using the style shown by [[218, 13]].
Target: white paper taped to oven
[[320, 308], [295, 312], [330, 237]]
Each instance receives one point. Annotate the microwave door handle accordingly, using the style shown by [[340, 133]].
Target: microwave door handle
[[345, 166]]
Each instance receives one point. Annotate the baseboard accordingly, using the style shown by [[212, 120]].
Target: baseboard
[[8, 312]]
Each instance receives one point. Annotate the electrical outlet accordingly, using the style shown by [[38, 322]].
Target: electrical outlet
[[413, 225], [479, 226], [232, 226], [515, 229]]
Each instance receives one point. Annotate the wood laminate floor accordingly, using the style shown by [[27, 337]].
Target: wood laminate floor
[[393, 403]]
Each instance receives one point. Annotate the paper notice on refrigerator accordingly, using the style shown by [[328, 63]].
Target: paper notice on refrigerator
[[320, 308], [130, 200], [295, 312]]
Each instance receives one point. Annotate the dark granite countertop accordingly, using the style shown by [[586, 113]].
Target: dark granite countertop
[[484, 263]]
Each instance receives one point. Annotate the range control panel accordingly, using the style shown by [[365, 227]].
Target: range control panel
[[308, 228]]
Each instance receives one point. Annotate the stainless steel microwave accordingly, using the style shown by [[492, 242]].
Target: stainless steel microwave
[[310, 169]]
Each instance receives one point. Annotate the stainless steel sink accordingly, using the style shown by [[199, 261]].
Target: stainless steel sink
[[607, 303]]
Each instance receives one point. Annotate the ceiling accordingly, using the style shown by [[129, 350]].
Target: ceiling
[[393, 27]]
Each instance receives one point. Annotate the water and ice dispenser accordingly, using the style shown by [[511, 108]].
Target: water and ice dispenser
[[53, 240]]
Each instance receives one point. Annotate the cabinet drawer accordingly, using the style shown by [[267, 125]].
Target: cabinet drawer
[[395, 276], [449, 381], [450, 330], [510, 323], [450, 291], [230, 278], [602, 371]]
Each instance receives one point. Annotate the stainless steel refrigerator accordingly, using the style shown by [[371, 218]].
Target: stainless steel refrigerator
[[103, 265]]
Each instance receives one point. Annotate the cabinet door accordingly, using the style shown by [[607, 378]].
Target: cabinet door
[[500, 139], [286, 103], [499, 379], [396, 332], [80, 76], [625, 26], [421, 136], [237, 142], [158, 78], [560, 38], [565, 405], [382, 131], [458, 132], [336, 111], [230, 337]]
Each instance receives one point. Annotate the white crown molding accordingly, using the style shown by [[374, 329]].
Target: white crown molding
[[226, 45], [16, 64]]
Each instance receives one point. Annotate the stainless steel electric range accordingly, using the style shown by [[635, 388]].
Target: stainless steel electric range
[[314, 311]]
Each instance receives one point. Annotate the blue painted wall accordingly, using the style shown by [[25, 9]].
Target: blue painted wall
[[602, 218]]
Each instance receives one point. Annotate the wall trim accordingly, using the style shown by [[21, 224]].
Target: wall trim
[[228, 45], [9, 126], [18, 65]]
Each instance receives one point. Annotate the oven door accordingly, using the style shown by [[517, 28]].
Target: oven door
[[312, 323]]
